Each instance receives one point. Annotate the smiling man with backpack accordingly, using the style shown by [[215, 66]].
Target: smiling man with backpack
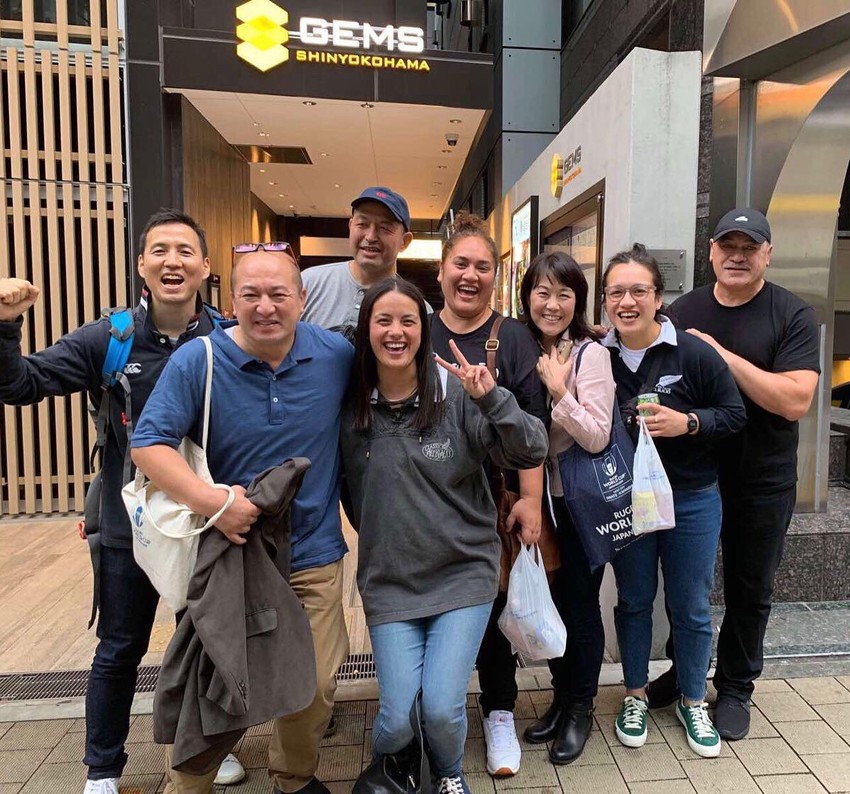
[[117, 360]]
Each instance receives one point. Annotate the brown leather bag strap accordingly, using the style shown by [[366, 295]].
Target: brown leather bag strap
[[492, 345]]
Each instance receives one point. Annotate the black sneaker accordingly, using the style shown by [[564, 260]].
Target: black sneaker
[[664, 690], [732, 717]]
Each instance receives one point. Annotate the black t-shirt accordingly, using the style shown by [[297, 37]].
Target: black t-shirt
[[777, 332], [516, 360]]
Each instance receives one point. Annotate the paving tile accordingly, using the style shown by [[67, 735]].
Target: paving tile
[[790, 784], [811, 738], [817, 691], [766, 756], [837, 715], [760, 726], [474, 728], [71, 748], [480, 783], [351, 707], [524, 709], [682, 786], [143, 784], [650, 762], [539, 696], [474, 755], [595, 752], [784, 707], [844, 680], [32, 735], [678, 742], [264, 729], [17, 766], [141, 730], [719, 776], [78, 726], [56, 777], [4, 726], [349, 729], [536, 773], [10, 788], [833, 771], [145, 758], [665, 716], [609, 699], [340, 763], [768, 685], [253, 752], [599, 778]]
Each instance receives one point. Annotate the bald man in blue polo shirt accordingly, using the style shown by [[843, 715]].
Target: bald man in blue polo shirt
[[277, 392]]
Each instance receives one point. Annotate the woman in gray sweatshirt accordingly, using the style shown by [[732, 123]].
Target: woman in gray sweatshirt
[[413, 440]]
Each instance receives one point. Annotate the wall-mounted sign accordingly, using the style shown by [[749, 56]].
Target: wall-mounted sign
[[564, 170], [673, 264], [525, 234], [264, 35]]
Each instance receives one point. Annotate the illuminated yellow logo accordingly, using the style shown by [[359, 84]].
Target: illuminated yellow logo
[[556, 175], [262, 34]]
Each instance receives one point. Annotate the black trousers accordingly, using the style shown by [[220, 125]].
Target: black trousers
[[496, 665], [752, 540], [575, 591]]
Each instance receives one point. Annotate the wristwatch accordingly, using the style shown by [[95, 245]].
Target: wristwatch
[[693, 424]]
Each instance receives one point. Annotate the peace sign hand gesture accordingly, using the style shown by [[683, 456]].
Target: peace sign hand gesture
[[475, 378]]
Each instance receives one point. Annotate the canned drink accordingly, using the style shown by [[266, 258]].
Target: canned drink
[[650, 397]]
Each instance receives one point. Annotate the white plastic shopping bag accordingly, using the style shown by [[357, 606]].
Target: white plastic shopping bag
[[530, 620], [652, 496]]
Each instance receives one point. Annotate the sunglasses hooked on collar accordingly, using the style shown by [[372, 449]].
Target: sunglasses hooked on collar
[[273, 247]]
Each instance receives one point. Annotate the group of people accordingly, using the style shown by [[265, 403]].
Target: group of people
[[347, 365]]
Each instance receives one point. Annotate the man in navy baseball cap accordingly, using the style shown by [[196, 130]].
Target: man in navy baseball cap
[[378, 231], [747, 221], [393, 201]]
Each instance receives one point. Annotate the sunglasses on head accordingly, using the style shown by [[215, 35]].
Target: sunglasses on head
[[274, 247]]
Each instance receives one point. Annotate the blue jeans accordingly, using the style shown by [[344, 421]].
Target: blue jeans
[[435, 654], [127, 609], [687, 553]]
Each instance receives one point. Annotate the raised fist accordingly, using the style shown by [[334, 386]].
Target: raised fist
[[16, 297]]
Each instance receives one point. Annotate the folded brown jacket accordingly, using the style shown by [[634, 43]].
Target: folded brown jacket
[[242, 653]]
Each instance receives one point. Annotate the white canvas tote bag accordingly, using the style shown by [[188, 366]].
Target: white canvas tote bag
[[165, 532]]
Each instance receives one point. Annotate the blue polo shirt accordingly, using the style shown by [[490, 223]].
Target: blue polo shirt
[[259, 417]]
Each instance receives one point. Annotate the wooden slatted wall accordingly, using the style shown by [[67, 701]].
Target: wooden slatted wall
[[65, 202]]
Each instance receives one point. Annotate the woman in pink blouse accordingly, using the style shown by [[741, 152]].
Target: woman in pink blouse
[[554, 300]]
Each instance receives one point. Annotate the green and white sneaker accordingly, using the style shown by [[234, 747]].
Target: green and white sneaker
[[630, 724], [703, 737]]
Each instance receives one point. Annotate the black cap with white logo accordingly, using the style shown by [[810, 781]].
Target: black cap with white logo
[[747, 220]]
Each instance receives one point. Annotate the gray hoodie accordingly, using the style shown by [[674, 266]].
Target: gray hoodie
[[426, 520]]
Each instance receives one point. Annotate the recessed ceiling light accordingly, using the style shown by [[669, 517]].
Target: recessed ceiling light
[[281, 195], [433, 195], [308, 102], [446, 151], [366, 105], [336, 184], [324, 154], [272, 183], [262, 170], [256, 123], [455, 121], [292, 206], [443, 167]]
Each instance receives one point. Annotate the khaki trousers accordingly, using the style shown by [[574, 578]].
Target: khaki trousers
[[294, 743]]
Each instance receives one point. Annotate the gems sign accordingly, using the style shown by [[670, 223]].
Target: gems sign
[[264, 36]]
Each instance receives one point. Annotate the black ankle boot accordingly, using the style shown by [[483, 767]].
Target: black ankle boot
[[546, 727], [572, 733]]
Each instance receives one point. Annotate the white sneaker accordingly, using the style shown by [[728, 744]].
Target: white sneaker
[[108, 785], [503, 752], [230, 771]]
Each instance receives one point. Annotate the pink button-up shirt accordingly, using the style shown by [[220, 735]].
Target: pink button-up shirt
[[584, 414]]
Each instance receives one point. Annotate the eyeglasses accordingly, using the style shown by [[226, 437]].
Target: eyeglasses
[[274, 247], [637, 291]]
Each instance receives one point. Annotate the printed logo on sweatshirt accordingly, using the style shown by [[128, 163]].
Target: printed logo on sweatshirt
[[665, 382], [439, 450]]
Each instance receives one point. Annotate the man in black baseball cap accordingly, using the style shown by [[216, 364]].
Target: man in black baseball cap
[[378, 231], [768, 338]]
